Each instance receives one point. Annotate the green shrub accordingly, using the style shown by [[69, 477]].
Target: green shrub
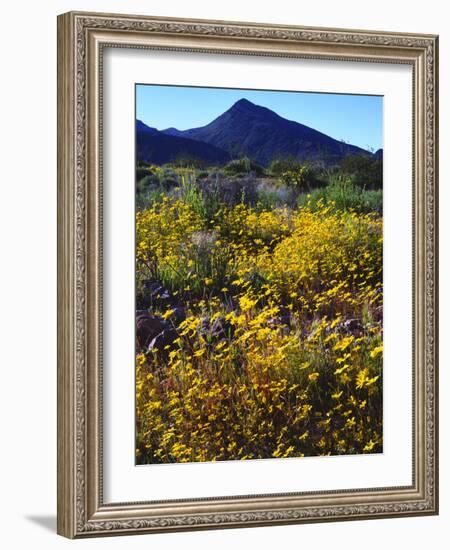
[[242, 166], [270, 196], [366, 171], [345, 195], [204, 202], [141, 172], [148, 197], [201, 174], [187, 161], [296, 174], [300, 178], [147, 182], [281, 165]]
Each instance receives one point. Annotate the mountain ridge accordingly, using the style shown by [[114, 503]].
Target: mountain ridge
[[247, 129], [159, 148]]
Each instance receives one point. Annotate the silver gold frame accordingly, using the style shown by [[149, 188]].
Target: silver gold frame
[[81, 39]]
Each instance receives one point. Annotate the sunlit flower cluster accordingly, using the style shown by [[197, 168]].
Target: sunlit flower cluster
[[297, 368]]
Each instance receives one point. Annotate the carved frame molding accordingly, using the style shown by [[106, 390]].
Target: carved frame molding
[[81, 39]]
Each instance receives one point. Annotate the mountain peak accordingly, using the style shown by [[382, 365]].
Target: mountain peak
[[172, 131], [244, 105], [142, 127], [247, 108]]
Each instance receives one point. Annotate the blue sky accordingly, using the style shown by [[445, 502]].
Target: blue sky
[[357, 119]]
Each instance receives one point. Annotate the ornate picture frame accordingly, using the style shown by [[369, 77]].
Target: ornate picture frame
[[82, 38]]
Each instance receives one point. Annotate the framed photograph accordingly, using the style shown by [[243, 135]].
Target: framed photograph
[[247, 277]]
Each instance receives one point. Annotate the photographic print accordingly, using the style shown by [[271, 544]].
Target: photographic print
[[259, 274]]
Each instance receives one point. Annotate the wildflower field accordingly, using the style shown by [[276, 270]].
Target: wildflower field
[[259, 317]]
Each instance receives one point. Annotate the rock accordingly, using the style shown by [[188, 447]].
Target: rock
[[164, 340], [147, 327], [282, 320], [178, 315], [156, 295], [349, 326], [220, 328], [338, 422], [378, 314], [285, 319], [352, 325], [216, 330]]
